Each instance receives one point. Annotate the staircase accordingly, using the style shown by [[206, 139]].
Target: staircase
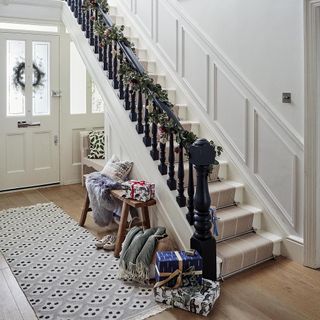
[[241, 243]]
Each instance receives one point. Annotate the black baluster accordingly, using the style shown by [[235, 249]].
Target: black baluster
[[115, 67], [110, 60], [146, 138], [91, 28], [105, 57], [133, 113], [96, 38], [171, 182], [88, 24], [83, 20], [72, 5], [126, 102], [162, 166], [190, 213], [181, 199], [80, 12], [202, 155], [75, 8], [154, 152], [121, 84], [69, 3], [100, 50], [139, 126]]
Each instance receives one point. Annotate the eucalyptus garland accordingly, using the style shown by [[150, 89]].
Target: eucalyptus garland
[[93, 4], [143, 82], [18, 75]]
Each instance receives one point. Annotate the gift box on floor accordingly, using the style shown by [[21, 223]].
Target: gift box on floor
[[139, 190], [179, 268], [198, 299]]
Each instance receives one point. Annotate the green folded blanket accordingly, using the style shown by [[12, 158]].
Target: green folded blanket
[[137, 252]]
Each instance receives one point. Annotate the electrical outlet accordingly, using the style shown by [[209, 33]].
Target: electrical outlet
[[286, 97]]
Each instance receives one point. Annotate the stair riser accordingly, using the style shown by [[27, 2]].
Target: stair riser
[[159, 79], [237, 226], [149, 66]]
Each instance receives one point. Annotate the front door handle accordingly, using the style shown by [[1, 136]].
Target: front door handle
[[25, 124]]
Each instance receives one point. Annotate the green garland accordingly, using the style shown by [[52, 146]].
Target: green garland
[[144, 83], [93, 4]]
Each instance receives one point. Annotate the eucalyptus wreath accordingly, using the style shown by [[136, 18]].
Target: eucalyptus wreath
[[19, 71]]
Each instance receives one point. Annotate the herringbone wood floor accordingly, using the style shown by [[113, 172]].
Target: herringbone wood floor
[[276, 290]]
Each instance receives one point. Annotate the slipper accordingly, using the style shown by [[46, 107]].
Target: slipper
[[111, 243], [100, 243]]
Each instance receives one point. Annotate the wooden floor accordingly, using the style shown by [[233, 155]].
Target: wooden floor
[[276, 290]]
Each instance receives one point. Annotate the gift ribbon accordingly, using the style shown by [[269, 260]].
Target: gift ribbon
[[214, 221], [178, 273], [135, 183]]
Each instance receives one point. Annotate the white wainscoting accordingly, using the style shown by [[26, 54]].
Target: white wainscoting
[[195, 68], [167, 33], [144, 12], [231, 113], [275, 168], [268, 152]]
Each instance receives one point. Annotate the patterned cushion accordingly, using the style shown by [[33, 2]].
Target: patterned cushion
[[96, 144], [117, 170]]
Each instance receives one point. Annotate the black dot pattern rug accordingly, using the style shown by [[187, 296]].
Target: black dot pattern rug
[[61, 272]]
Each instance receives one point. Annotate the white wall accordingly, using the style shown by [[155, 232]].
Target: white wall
[[230, 61], [264, 40], [46, 10]]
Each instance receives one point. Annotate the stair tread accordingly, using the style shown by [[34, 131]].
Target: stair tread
[[243, 252], [216, 186]]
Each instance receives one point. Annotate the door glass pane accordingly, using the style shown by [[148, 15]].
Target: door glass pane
[[40, 78], [15, 78], [97, 102], [78, 82]]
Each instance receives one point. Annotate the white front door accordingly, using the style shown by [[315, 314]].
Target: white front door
[[29, 113]]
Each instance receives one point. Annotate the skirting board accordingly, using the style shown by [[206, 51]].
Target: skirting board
[[292, 249]]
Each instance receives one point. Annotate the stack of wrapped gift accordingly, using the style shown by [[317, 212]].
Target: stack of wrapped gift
[[180, 283], [139, 190]]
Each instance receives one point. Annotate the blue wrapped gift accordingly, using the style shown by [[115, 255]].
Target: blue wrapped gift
[[178, 268]]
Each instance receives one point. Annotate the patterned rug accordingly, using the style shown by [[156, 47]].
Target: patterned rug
[[62, 274]]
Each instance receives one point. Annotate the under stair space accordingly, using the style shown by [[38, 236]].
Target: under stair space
[[241, 243]]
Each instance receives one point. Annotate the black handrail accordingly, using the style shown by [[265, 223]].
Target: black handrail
[[136, 64]]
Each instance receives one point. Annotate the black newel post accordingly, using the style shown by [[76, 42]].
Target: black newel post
[[202, 155]]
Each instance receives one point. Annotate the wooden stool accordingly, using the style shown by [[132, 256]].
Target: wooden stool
[[126, 203]]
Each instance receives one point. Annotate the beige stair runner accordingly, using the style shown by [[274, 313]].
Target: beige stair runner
[[243, 252]]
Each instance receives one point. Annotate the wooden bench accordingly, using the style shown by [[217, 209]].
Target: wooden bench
[[126, 204]]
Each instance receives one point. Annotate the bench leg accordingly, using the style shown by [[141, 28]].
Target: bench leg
[[122, 229], [85, 210], [145, 217]]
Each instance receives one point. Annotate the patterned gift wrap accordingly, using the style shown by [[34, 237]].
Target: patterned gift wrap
[[178, 263], [139, 190], [198, 299]]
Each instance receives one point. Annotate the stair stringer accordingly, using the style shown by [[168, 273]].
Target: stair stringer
[[254, 195], [167, 208]]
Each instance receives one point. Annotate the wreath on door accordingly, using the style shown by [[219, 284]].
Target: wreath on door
[[19, 71]]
